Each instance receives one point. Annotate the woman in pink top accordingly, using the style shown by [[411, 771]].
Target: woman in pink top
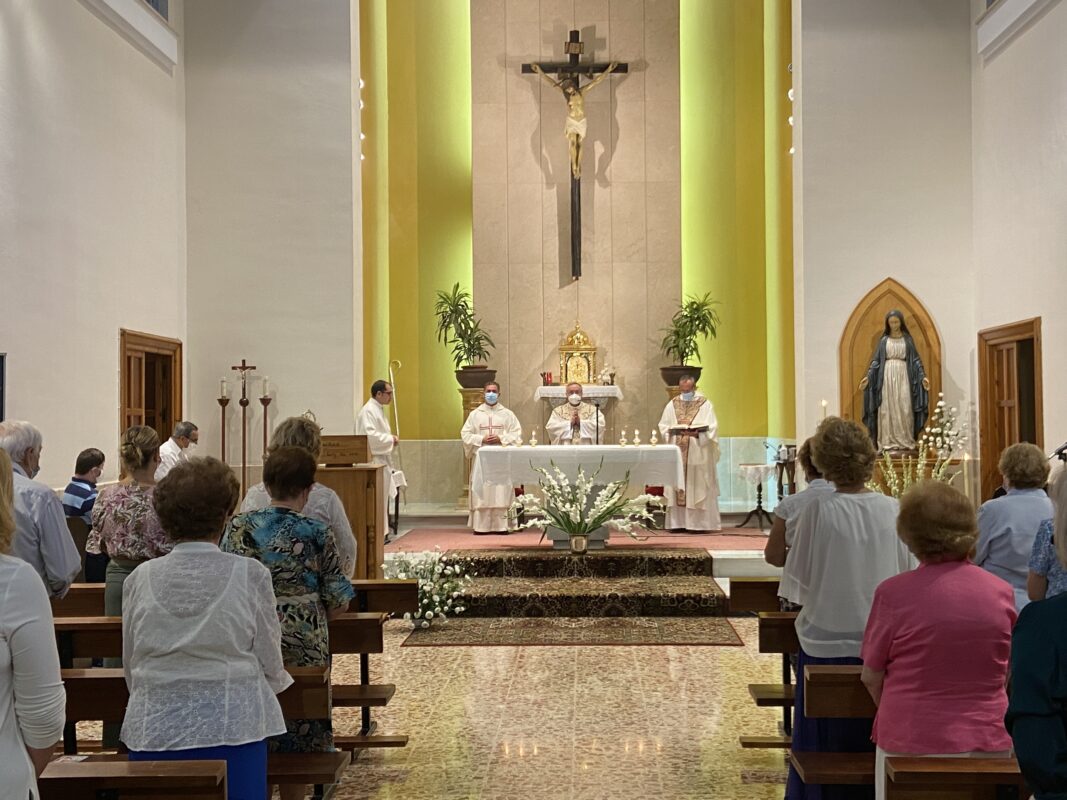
[[936, 648]]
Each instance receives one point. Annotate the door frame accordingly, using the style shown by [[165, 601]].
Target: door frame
[[988, 340], [150, 343]]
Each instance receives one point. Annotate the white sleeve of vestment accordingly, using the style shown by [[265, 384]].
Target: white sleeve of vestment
[[472, 439], [379, 440], [256, 498], [590, 429], [512, 434], [267, 641], [167, 461], [667, 421], [558, 429], [342, 532], [36, 686]]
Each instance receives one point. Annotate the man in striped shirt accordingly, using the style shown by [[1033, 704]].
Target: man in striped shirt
[[80, 494]]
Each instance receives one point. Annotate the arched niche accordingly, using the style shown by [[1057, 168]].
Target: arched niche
[[864, 329]]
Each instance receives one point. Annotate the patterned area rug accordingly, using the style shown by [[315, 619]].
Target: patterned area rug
[[577, 631]]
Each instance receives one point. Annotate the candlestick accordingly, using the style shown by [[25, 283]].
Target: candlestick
[[533, 439], [637, 437], [223, 402], [223, 389], [653, 439], [824, 406], [265, 401], [266, 385], [622, 438], [967, 475]]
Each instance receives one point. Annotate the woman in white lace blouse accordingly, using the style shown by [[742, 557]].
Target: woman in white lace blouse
[[32, 700], [201, 639], [323, 503]]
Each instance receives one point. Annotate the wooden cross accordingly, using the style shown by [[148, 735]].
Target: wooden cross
[[570, 73], [244, 367]]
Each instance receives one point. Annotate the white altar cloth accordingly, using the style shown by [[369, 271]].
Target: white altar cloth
[[649, 465], [557, 395]]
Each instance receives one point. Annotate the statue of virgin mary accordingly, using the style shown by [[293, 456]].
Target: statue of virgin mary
[[896, 391]]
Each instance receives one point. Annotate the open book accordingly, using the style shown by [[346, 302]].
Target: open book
[[687, 430]]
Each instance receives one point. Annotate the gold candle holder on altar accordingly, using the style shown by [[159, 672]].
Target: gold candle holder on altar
[[622, 438]]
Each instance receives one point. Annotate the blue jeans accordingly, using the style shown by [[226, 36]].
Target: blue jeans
[[246, 766]]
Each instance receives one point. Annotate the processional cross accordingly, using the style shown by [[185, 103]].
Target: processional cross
[[569, 74]]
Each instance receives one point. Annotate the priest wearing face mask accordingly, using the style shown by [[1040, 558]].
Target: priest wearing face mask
[[575, 422], [689, 422], [490, 425]]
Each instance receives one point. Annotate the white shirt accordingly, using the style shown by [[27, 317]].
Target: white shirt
[[170, 455], [42, 538], [201, 648], [845, 545], [789, 509], [324, 505], [372, 423], [32, 698], [1007, 527]]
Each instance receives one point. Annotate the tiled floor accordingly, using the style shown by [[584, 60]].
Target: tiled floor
[[548, 723]]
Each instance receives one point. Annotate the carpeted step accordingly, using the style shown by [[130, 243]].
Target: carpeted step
[[613, 562], [658, 596]]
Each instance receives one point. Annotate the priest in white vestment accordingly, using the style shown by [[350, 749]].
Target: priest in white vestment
[[575, 422], [490, 425], [374, 424], [689, 422]]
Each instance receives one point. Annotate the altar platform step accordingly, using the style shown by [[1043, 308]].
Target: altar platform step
[[640, 596], [612, 562]]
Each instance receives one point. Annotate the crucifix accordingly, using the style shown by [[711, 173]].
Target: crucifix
[[568, 80], [243, 369]]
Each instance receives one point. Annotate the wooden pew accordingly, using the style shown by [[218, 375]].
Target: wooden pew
[[777, 634], [833, 691], [102, 695], [82, 600], [69, 780], [753, 594]]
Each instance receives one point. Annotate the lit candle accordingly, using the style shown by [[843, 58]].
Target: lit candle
[[222, 388], [266, 386], [824, 406]]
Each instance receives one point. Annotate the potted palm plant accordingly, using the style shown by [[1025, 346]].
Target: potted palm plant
[[459, 329], [696, 317]]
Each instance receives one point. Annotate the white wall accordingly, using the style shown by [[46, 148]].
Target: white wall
[[1020, 195], [272, 210], [883, 177], [92, 217]]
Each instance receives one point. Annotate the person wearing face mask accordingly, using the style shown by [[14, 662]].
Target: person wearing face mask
[[490, 424], [42, 538], [689, 422], [175, 449], [575, 422]]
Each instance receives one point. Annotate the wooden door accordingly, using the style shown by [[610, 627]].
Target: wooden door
[[1009, 393], [150, 382]]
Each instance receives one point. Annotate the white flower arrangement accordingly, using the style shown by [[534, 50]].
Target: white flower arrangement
[[571, 507], [942, 438], [606, 376], [441, 578]]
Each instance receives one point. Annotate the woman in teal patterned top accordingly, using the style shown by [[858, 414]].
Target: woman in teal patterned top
[[310, 585]]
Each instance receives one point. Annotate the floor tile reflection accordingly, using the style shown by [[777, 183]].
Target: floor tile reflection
[[567, 722]]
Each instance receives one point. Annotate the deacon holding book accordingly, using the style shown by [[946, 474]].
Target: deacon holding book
[[689, 422]]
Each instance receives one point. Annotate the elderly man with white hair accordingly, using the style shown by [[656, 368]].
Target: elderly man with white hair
[[41, 539]]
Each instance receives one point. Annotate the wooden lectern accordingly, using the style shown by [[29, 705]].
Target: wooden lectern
[[364, 492]]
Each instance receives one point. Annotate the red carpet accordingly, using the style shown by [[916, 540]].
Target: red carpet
[[420, 539]]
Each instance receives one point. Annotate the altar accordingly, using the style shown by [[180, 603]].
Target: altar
[[648, 465]]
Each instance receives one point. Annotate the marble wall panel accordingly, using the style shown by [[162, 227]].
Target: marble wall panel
[[622, 300], [524, 223], [489, 139]]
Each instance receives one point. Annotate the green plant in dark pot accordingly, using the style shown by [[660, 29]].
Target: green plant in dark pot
[[462, 332], [696, 318]]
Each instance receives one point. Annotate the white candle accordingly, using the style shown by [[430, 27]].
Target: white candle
[[266, 386], [824, 405], [967, 475], [222, 388]]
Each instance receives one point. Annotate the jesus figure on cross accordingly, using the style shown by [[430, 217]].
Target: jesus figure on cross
[[576, 125]]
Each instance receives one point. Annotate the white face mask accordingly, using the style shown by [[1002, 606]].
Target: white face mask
[[687, 396], [574, 399]]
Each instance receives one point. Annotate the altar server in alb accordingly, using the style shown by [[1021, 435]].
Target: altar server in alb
[[689, 422], [372, 423], [575, 422], [490, 424]]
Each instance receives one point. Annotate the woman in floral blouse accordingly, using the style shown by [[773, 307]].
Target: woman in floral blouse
[[126, 528], [309, 583]]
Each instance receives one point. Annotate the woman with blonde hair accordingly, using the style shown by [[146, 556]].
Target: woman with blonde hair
[[935, 651], [32, 699], [126, 527], [844, 546], [1008, 525], [323, 503], [1048, 559]]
